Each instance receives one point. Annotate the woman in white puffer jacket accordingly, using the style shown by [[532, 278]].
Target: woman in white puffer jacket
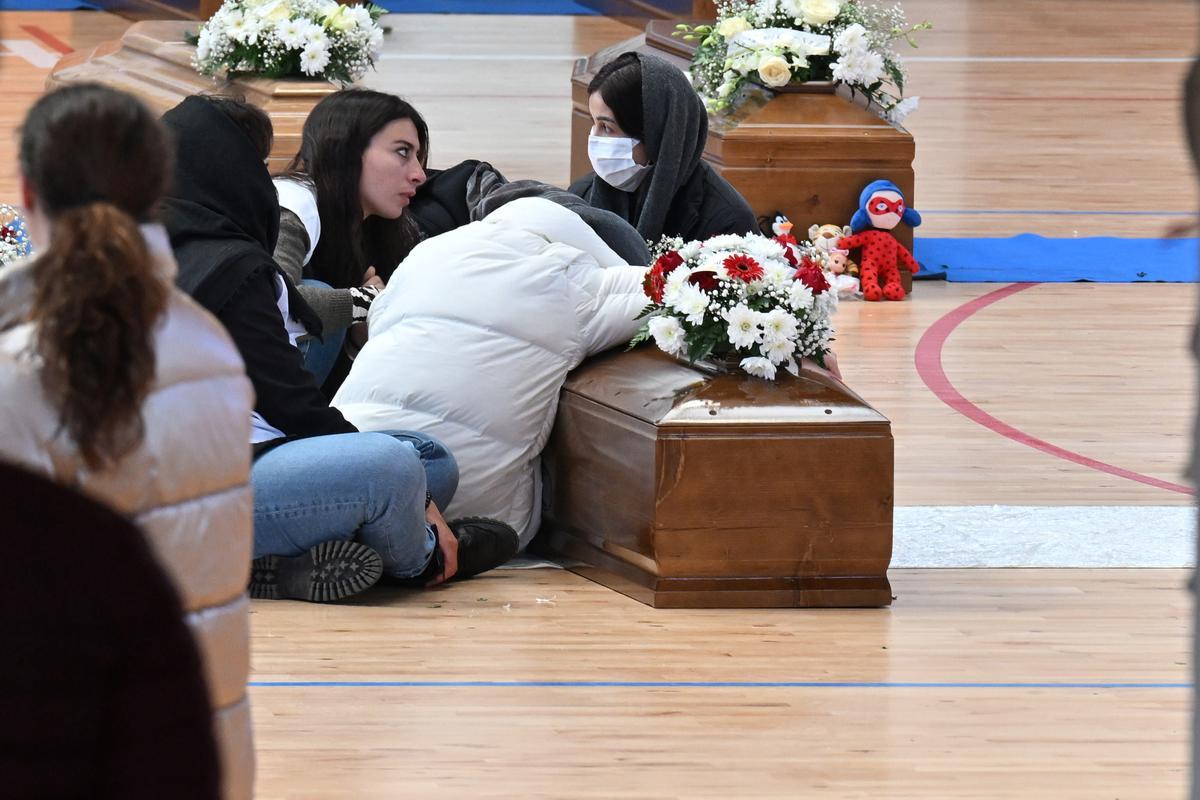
[[474, 336]]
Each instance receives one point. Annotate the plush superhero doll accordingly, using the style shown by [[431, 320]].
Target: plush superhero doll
[[881, 208]]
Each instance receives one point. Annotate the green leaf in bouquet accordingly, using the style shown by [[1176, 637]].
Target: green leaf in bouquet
[[647, 311], [642, 335]]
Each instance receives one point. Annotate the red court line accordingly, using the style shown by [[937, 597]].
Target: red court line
[[928, 359], [1043, 98], [48, 39]]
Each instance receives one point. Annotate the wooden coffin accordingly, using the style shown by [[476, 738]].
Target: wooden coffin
[[153, 61], [808, 152], [687, 487]]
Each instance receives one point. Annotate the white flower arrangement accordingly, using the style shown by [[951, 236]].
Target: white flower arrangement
[[281, 38], [14, 243], [780, 42], [761, 301]]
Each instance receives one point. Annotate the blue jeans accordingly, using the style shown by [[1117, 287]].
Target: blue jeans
[[321, 354], [369, 487]]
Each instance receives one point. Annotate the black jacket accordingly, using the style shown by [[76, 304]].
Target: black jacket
[[222, 214], [705, 206], [102, 688]]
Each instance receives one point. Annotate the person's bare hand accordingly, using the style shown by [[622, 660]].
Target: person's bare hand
[[830, 368], [369, 278], [446, 542]]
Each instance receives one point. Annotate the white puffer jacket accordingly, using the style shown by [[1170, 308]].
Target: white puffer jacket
[[473, 337]]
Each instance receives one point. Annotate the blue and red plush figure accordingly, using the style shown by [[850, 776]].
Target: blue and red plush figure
[[881, 208]]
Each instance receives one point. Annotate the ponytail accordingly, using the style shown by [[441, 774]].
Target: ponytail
[[97, 299]]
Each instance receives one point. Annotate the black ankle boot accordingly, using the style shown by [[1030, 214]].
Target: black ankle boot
[[330, 571], [483, 544]]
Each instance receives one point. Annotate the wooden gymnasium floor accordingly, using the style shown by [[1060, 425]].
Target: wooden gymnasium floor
[[1044, 684]]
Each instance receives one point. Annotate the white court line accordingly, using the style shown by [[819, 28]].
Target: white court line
[[474, 57], [35, 55], [1047, 59], [907, 59], [1044, 536]]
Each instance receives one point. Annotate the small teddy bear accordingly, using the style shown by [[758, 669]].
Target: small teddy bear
[[825, 239]]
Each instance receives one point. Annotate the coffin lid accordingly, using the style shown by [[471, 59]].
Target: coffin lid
[[649, 385]]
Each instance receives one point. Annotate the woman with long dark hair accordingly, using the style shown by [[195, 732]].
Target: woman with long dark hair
[[343, 227], [334, 509], [648, 135], [116, 384]]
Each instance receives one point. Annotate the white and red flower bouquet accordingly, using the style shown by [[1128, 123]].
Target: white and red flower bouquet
[[14, 243], [763, 302]]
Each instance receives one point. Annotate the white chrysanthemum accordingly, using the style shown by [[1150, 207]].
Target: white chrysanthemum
[[727, 241], [292, 33], [668, 334], [313, 59], [870, 67], [780, 351], [800, 297], [777, 274], [376, 41], [827, 303], [759, 368], [204, 44], [903, 109], [315, 36], [689, 250], [691, 302], [762, 248], [778, 325], [241, 28], [852, 39], [743, 326]]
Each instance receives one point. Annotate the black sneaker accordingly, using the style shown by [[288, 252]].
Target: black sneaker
[[330, 571], [483, 544]]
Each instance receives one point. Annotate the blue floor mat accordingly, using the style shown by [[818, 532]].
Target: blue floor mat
[[530, 7], [1035, 258], [46, 5]]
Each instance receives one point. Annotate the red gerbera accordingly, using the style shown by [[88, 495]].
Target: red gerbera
[[656, 276], [744, 267], [811, 276]]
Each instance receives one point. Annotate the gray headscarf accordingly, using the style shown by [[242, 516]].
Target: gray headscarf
[[675, 130], [487, 190]]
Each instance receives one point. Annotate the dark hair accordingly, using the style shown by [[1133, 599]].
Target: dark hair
[[98, 162], [619, 83], [253, 121], [336, 134]]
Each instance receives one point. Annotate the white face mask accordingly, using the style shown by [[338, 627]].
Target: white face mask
[[612, 158]]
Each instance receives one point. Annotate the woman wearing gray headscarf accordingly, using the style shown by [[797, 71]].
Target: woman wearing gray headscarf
[[648, 134]]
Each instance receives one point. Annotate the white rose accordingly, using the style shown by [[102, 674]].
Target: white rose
[[274, 11], [791, 8], [774, 71], [819, 12], [733, 26]]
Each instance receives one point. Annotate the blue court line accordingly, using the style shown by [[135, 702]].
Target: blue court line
[[712, 685], [1058, 212]]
